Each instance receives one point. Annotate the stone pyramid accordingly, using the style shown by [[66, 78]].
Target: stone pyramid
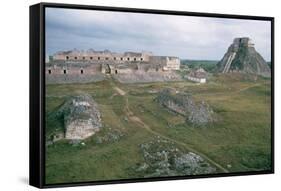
[[242, 56]]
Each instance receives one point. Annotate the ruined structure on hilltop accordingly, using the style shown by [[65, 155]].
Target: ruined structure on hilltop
[[76, 66], [199, 75], [242, 56]]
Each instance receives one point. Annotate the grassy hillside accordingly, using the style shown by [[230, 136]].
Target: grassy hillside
[[238, 141]]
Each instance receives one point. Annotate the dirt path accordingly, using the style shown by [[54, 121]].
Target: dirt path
[[233, 92], [132, 117], [246, 88], [121, 92]]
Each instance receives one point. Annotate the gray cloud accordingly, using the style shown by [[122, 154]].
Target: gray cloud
[[186, 37]]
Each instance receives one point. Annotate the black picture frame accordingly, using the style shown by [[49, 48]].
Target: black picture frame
[[37, 92]]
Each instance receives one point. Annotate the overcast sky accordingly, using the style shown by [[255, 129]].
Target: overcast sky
[[183, 36]]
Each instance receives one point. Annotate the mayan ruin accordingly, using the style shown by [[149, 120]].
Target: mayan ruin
[[242, 56], [90, 65], [134, 97]]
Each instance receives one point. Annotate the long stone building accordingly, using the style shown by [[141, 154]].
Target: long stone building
[[80, 66], [106, 55]]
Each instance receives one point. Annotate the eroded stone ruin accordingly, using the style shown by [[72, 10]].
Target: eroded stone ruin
[[183, 104], [81, 116], [165, 158], [242, 56]]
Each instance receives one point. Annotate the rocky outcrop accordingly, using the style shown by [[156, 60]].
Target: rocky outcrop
[[164, 158], [195, 113], [81, 117], [111, 136], [242, 56]]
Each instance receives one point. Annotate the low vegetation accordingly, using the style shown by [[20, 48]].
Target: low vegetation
[[207, 65], [239, 141]]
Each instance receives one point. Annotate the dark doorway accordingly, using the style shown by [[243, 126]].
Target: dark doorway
[[107, 69], [64, 71], [49, 71], [115, 71], [82, 71]]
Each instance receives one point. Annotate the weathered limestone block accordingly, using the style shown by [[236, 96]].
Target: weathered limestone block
[[164, 158], [82, 118]]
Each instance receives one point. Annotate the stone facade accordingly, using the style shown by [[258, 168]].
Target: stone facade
[[106, 55], [84, 66]]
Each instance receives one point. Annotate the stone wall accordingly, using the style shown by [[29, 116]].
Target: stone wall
[[172, 63], [68, 69], [73, 78], [105, 55], [166, 62], [149, 76]]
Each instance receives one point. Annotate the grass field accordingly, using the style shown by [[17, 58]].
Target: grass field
[[239, 141]]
